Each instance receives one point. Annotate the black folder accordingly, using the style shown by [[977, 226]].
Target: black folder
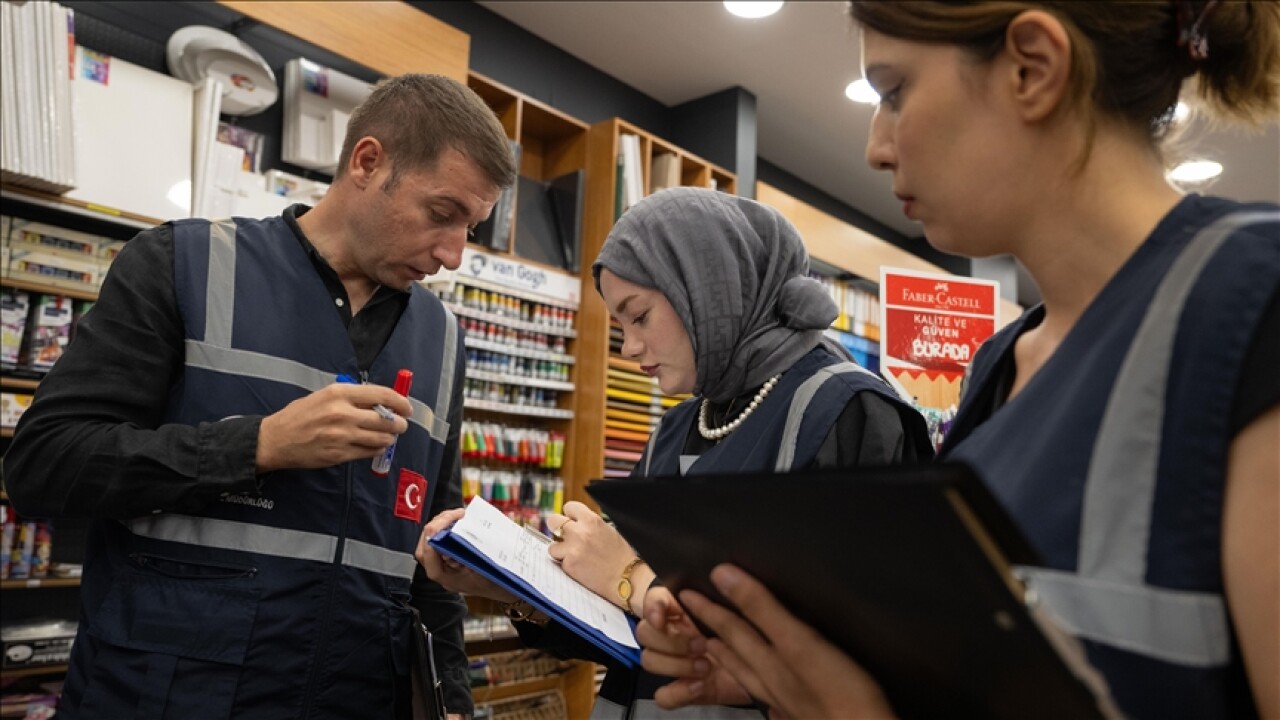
[[905, 568]]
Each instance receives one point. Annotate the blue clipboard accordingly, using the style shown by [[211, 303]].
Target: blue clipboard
[[448, 543]]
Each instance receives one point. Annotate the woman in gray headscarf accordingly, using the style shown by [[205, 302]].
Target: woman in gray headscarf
[[713, 297]]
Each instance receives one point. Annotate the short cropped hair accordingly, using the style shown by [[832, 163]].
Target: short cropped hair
[[416, 117]]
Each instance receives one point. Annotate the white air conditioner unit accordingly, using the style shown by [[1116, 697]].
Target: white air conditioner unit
[[318, 101]]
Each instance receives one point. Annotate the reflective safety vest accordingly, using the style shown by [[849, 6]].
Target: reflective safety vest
[[292, 602], [1113, 458], [783, 434]]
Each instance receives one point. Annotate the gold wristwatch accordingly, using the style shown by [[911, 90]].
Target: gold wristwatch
[[625, 589]]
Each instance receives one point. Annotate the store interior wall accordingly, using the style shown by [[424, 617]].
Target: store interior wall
[[720, 127], [137, 32]]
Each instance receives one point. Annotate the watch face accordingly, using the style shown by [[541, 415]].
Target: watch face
[[624, 588]]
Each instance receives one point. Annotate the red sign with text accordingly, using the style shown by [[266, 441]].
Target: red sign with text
[[931, 329]]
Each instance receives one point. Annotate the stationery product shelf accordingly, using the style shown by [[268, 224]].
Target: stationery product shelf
[[519, 351], [507, 290], [576, 682], [866, 331], [568, 695], [517, 380], [487, 646], [510, 322], [508, 409]]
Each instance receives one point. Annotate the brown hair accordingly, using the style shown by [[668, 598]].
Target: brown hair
[[416, 117], [1126, 56]]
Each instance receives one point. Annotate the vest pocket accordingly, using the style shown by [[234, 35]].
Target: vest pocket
[[400, 629], [167, 648], [185, 569]]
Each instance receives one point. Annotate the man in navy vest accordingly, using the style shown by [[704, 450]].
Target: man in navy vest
[[244, 560]]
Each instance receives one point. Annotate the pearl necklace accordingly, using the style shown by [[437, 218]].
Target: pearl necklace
[[718, 433]]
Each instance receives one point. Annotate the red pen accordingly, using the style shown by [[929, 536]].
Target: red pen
[[382, 463]]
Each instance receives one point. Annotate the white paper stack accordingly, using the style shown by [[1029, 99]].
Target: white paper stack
[[36, 70], [632, 178], [206, 108], [133, 137], [317, 105]]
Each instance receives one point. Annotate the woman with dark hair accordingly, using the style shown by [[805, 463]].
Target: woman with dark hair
[[1130, 423], [713, 296]]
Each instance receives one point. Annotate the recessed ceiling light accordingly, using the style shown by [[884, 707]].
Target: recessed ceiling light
[[1195, 171], [1181, 112], [753, 9], [860, 91]]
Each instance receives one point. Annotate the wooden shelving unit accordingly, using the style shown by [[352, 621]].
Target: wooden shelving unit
[[552, 144], [577, 685], [616, 405]]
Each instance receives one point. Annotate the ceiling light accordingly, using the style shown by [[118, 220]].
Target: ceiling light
[[1195, 171], [1181, 112], [753, 9], [860, 91]]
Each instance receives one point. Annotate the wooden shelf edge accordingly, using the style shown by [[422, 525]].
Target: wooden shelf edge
[[14, 383], [33, 671], [538, 104], [48, 289], [476, 648], [627, 127], [493, 693], [33, 583], [78, 207]]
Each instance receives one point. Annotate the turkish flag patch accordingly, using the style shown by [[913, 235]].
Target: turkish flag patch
[[411, 494]]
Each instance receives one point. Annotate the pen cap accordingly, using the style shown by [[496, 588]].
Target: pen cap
[[404, 380]]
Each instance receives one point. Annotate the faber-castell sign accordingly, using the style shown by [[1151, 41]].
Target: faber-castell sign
[[930, 329], [513, 274]]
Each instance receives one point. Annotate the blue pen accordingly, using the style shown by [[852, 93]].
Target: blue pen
[[380, 409]]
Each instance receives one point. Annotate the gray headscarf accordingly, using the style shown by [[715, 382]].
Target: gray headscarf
[[736, 273]]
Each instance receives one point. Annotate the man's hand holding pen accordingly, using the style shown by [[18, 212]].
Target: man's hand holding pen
[[333, 425]]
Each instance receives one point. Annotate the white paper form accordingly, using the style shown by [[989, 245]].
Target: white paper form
[[524, 554]]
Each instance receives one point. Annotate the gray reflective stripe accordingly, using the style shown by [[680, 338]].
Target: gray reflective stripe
[[231, 535], [278, 542], [378, 559], [648, 446], [247, 363], [1120, 488], [800, 403], [1188, 628], [256, 365], [438, 427], [220, 292], [448, 358]]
